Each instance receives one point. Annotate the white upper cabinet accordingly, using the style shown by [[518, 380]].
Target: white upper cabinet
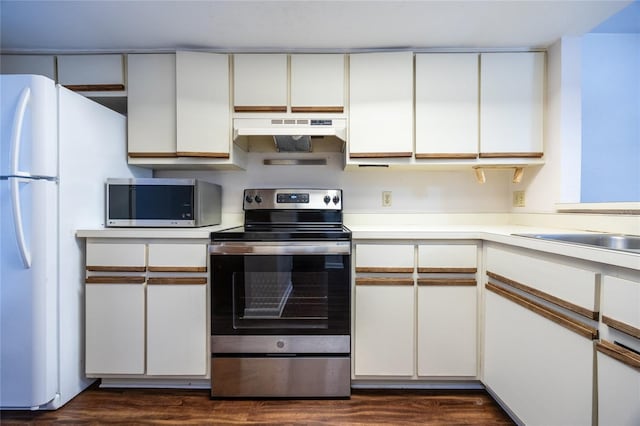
[[381, 105], [29, 64], [151, 103], [511, 104], [260, 82], [447, 105], [203, 115], [91, 72], [317, 83]]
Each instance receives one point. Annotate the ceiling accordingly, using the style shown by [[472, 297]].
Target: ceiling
[[312, 25]]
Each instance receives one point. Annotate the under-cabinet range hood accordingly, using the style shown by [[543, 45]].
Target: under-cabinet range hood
[[291, 134]]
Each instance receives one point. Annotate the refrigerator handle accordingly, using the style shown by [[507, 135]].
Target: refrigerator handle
[[25, 254], [16, 132]]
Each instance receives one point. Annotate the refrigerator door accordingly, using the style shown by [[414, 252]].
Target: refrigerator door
[[28, 126], [28, 296]]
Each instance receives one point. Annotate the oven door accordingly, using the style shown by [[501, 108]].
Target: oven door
[[280, 288]]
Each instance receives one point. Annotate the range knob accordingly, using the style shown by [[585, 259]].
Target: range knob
[[258, 199], [336, 199], [327, 199], [248, 199]]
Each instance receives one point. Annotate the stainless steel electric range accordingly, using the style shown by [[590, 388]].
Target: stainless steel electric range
[[280, 298]]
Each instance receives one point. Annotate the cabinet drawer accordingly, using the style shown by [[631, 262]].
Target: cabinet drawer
[[384, 258], [116, 257], [447, 258], [81, 72], [260, 82], [565, 285], [620, 304], [178, 257]]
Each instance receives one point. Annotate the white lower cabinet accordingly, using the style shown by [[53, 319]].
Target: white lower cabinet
[[447, 344], [176, 323], [618, 391], [541, 370], [114, 328], [384, 330]]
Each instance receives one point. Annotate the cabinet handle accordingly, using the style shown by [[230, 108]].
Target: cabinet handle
[[177, 269], [116, 268], [104, 279], [311, 109], [453, 282], [619, 353], [511, 155], [383, 269], [152, 155], [177, 280], [384, 281], [202, 154], [447, 156], [545, 296], [561, 319], [260, 108], [380, 154], [429, 270], [621, 326], [95, 87]]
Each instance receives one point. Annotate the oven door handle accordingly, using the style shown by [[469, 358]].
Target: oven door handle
[[271, 248]]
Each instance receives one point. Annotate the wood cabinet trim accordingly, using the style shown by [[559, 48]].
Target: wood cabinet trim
[[99, 268], [310, 109], [104, 279], [545, 296], [450, 282], [511, 154], [619, 353], [384, 269], [557, 317], [380, 154], [429, 270], [203, 154], [95, 87], [177, 269], [384, 281], [260, 108], [446, 156], [176, 280], [153, 155], [621, 326]]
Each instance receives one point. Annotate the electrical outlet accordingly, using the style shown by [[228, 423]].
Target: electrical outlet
[[386, 198], [518, 199]]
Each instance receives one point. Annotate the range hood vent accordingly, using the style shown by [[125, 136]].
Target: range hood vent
[[290, 134]]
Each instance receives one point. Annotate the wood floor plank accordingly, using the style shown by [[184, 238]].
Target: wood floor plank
[[194, 407]]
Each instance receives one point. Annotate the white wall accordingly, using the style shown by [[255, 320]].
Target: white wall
[[412, 191]]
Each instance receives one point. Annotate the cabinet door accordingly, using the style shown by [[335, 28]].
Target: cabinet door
[[541, 370], [114, 327], [125, 257], [511, 104], [177, 326], [260, 82], [91, 72], [384, 330], [618, 391], [447, 330], [151, 104], [381, 105], [28, 64], [620, 305], [317, 83], [447, 105], [202, 105]]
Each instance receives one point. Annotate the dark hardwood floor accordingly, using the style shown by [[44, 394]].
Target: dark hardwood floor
[[171, 406]]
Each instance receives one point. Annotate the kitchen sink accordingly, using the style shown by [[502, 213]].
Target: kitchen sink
[[628, 243]]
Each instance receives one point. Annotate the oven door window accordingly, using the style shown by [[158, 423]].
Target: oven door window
[[299, 294]]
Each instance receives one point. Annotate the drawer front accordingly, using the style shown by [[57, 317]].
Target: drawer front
[[567, 283], [447, 256], [122, 257], [385, 256], [178, 257], [620, 304]]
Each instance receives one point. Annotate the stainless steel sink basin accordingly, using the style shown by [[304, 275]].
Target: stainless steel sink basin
[[628, 243]]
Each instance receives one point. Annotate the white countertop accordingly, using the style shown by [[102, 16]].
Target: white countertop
[[497, 233]]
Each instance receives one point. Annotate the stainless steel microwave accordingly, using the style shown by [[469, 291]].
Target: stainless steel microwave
[[159, 202]]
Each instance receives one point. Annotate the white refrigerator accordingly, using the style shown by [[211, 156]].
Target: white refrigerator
[[57, 150]]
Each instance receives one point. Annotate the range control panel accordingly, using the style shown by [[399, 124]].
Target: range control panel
[[292, 199]]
